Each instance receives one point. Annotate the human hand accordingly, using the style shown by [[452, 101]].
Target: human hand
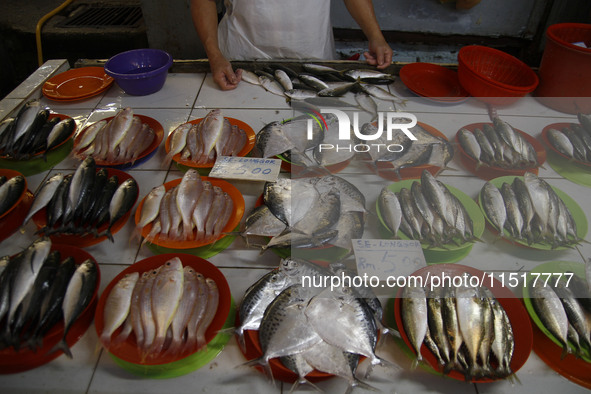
[[379, 54], [223, 74]]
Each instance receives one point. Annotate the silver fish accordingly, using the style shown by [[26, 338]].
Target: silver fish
[[78, 295], [117, 306], [284, 329], [271, 85], [415, 318], [551, 312], [494, 206]]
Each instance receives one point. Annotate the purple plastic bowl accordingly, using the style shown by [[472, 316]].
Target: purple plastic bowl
[[140, 71]]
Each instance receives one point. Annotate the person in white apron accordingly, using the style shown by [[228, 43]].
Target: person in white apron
[[278, 29]]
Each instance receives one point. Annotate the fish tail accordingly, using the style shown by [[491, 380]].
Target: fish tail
[[157, 345], [565, 351], [106, 339], [362, 385], [63, 346], [415, 363]]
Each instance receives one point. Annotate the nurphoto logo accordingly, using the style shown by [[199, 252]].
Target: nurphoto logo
[[387, 122]]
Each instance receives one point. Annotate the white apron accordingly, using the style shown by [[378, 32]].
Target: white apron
[[272, 29]]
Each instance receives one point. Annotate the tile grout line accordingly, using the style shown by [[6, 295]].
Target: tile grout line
[[94, 371]]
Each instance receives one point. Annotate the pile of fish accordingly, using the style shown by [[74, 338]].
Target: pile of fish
[[83, 202], [428, 212], [202, 143], [575, 141], [289, 138], [530, 210], [311, 328], [31, 132], [10, 191], [120, 140], [193, 210], [466, 329], [321, 81], [307, 213], [427, 149], [168, 309], [40, 289], [564, 307], [499, 145]]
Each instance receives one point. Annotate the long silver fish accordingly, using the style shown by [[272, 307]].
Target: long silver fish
[[78, 295], [494, 206], [415, 318], [551, 312]]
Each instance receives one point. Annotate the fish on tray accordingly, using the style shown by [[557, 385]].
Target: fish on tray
[[82, 202], [122, 139], [530, 211], [167, 309], [308, 328], [31, 132], [202, 143], [194, 210], [328, 210], [39, 289]]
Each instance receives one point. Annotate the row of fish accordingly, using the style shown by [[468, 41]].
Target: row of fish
[[311, 328], [306, 213], [193, 210], [121, 139], [530, 210], [32, 131], [466, 329], [321, 81], [10, 192], [428, 212], [168, 309], [39, 289], [289, 138], [82, 202], [202, 143], [427, 149], [564, 307], [573, 141], [499, 145]]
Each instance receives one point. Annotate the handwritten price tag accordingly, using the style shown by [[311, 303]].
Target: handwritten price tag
[[246, 168], [384, 258]]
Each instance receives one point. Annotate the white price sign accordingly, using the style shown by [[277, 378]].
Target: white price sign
[[246, 168], [388, 257]]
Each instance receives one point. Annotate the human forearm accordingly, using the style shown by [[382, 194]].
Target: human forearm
[[205, 20], [363, 13], [380, 53]]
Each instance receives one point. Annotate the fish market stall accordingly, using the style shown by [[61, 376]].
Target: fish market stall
[[455, 213]]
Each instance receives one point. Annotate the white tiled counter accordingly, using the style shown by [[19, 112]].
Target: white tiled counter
[[186, 96]]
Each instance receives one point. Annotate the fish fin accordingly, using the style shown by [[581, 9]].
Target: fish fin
[[263, 363], [303, 380], [361, 385], [63, 346], [415, 363]]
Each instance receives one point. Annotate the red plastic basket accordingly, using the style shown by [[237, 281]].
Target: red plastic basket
[[488, 67]]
